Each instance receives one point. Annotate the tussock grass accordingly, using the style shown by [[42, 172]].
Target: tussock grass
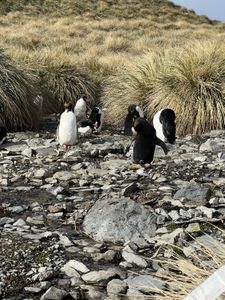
[[192, 83], [183, 274], [97, 39], [131, 86], [190, 80], [62, 83], [18, 91]]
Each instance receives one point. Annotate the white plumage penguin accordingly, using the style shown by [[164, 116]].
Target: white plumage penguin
[[67, 130], [80, 108]]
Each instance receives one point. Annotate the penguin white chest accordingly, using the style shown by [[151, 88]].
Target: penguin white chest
[[67, 132], [158, 126]]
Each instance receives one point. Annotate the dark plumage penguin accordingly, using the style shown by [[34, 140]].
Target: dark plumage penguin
[[3, 134], [145, 142], [96, 117], [165, 126], [134, 111]]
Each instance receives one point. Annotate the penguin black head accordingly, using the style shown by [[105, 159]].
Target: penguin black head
[[139, 124], [95, 114], [132, 110], [68, 106], [84, 97]]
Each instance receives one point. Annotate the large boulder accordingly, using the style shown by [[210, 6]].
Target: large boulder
[[119, 220]]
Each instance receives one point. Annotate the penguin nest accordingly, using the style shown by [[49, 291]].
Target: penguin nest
[[18, 91]]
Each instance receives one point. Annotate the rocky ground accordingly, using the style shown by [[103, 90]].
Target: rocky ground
[[88, 224]]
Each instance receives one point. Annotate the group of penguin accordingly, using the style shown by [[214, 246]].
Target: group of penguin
[[146, 136], [75, 121]]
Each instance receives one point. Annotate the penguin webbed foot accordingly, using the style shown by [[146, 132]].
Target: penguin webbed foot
[[162, 145]]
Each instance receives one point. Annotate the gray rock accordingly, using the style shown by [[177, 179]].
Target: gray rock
[[77, 265], [28, 152], [119, 220], [69, 271], [193, 227], [32, 289], [213, 145], [40, 173], [63, 175], [36, 220], [133, 258], [192, 193], [100, 276], [145, 283], [116, 286], [92, 293], [20, 223], [17, 209], [54, 294], [6, 220]]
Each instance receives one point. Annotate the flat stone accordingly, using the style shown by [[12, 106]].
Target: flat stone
[[6, 220], [133, 258], [145, 283], [193, 227], [99, 276], [32, 289], [77, 265], [119, 220], [54, 294], [36, 220], [192, 193], [20, 223], [17, 209]]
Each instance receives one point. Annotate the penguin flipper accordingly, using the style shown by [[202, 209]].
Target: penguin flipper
[[162, 145]]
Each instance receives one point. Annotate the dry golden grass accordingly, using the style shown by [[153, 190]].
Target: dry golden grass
[[189, 80], [18, 91], [183, 274], [192, 83], [101, 36]]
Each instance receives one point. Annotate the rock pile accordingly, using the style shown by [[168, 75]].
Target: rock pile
[[85, 224]]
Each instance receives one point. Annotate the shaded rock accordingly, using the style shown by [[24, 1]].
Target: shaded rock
[[192, 193], [130, 189], [119, 220]]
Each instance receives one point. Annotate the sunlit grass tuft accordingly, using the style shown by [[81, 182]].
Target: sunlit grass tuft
[[18, 91]]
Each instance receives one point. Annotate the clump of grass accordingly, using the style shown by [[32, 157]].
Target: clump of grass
[[131, 85], [61, 82], [183, 274], [18, 91], [192, 83], [190, 80]]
